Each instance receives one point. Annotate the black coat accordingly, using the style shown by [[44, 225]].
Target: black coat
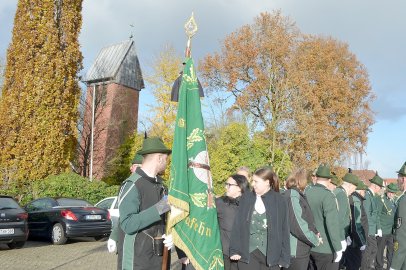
[[277, 214], [226, 210]]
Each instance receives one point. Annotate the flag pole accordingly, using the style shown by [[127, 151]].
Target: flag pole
[[190, 30]]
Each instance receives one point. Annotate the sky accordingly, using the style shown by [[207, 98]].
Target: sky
[[375, 31]]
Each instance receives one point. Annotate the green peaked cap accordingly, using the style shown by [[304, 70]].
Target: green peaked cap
[[402, 170], [392, 187], [361, 185], [137, 159], [324, 171], [154, 145], [351, 178], [377, 180]]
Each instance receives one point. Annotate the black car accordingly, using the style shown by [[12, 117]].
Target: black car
[[63, 218], [13, 223]]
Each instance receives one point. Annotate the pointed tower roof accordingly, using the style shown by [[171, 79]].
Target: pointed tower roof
[[117, 63]]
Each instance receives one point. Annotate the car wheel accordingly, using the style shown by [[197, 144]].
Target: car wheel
[[58, 234], [101, 238], [16, 245]]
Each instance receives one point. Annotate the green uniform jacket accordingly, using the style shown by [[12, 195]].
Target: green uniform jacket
[[372, 211], [359, 221], [399, 256], [344, 213], [387, 214], [324, 208], [303, 233], [133, 218]]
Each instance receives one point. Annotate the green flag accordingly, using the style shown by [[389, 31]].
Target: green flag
[[193, 218]]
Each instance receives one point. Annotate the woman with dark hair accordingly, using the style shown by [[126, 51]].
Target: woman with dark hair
[[260, 234], [227, 207], [303, 232]]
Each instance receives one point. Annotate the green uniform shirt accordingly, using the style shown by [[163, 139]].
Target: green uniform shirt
[[399, 255], [344, 212], [372, 211], [387, 214], [323, 204]]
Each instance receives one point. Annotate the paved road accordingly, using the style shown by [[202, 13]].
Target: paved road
[[77, 254]]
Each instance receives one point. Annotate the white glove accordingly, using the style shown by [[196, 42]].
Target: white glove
[[111, 245], [379, 233], [362, 248], [343, 245], [391, 268], [168, 242], [349, 241], [339, 254]]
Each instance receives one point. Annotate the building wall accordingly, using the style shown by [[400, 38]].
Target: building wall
[[116, 118]]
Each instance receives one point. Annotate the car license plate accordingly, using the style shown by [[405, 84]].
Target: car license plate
[[93, 217], [6, 231]]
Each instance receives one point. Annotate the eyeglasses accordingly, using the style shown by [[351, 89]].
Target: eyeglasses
[[227, 185]]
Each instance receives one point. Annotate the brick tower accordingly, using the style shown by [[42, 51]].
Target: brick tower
[[114, 82]]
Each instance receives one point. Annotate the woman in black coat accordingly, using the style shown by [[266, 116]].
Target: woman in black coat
[[260, 234], [227, 207]]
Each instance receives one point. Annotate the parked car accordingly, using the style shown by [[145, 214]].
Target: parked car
[[63, 218], [13, 223], [110, 204]]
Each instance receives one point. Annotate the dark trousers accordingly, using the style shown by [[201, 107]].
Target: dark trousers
[[368, 258], [322, 261], [257, 262], [353, 257], [298, 263], [382, 242]]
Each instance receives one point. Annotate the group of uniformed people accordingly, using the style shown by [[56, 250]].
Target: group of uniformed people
[[351, 226], [358, 224]]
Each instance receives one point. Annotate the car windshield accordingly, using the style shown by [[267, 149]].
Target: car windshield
[[8, 203], [72, 202]]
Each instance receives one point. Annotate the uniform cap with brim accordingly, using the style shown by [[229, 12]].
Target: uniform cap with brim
[[323, 171], [377, 180], [402, 170], [351, 178], [137, 159], [392, 187], [154, 145], [361, 185]]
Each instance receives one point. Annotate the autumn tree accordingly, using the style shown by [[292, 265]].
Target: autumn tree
[[270, 68], [39, 107], [2, 66], [165, 69], [332, 113], [252, 66]]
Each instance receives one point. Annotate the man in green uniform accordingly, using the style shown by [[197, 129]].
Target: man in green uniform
[[142, 203], [323, 205], [387, 217], [359, 228], [112, 242], [399, 255], [374, 224], [342, 192]]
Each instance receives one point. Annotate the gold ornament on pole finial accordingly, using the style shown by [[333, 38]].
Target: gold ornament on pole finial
[[190, 30]]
